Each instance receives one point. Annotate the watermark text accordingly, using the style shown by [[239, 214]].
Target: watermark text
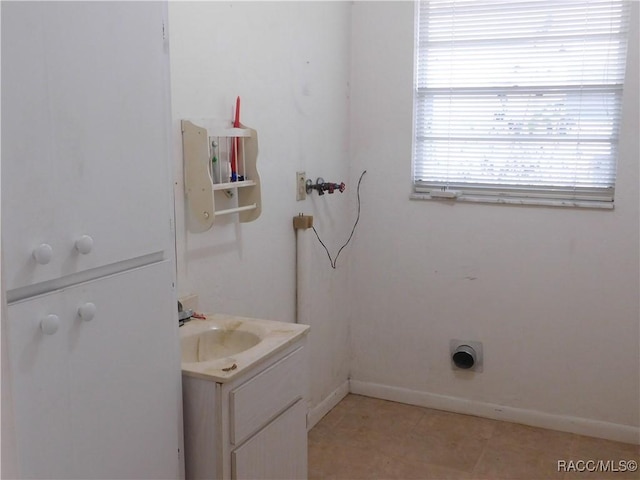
[[599, 466]]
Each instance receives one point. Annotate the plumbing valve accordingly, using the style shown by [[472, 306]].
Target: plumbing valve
[[332, 187], [321, 186]]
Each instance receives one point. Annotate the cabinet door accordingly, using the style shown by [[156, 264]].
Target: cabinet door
[[278, 451], [100, 397], [85, 117], [40, 379]]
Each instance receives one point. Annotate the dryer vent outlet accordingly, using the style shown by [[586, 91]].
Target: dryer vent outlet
[[466, 355]]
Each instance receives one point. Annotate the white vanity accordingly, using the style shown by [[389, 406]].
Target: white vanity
[[245, 384]]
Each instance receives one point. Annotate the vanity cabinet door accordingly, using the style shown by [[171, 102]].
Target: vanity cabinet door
[[85, 119], [278, 451], [100, 396], [276, 387]]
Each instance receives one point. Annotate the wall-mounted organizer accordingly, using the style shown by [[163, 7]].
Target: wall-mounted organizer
[[220, 167]]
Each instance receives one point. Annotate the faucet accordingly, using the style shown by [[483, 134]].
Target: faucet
[[183, 315], [321, 186]]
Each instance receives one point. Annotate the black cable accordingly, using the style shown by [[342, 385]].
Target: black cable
[[333, 261]]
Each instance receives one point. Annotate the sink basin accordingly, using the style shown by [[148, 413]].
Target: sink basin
[[219, 341], [222, 347]]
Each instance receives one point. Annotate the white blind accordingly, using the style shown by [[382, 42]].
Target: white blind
[[519, 98]]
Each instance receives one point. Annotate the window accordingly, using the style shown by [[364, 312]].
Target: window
[[519, 101]]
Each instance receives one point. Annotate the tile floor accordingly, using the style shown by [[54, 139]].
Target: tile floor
[[367, 438]]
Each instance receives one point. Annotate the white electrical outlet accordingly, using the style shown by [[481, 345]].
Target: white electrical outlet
[[301, 188]]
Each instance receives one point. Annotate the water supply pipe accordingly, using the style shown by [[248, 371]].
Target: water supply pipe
[[301, 225]]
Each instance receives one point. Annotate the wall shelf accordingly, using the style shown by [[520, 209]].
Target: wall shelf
[[210, 148], [228, 185]]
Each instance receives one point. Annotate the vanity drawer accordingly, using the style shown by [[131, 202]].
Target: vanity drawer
[[265, 396], [279, 450]]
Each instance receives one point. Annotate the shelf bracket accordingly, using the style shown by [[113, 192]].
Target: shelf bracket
[[198, 184]]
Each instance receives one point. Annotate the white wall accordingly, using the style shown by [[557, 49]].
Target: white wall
[[552, 293], [289, 62]]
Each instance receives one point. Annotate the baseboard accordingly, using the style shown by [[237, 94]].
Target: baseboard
[[564, 423], [315, 414]]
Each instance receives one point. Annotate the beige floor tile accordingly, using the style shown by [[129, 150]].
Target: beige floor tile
[[516, 462], [457, 424], [384, 410], [327, 424], [319, 432], [375, 423], [594, 458], [374, 439], [402, 469], [444, 448], [328, 460], [339, 411], [353, 400], [598, 448], [611, 472], [368, 438], [558, 443]]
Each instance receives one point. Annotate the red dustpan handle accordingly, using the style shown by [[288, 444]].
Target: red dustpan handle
[[236, 122], [236, 144]]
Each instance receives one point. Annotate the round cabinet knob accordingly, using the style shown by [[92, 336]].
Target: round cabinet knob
[[84, 244], [87, 311], [50, 324], [43, 253]]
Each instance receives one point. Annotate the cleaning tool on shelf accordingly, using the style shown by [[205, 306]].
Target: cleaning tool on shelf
[[235, 144], [215, 166]]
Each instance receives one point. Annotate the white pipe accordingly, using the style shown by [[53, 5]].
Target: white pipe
[[303, 262]]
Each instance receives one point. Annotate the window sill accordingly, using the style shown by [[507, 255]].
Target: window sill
[[504, 200]]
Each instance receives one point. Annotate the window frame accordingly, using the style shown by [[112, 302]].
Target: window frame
[[504, 193]]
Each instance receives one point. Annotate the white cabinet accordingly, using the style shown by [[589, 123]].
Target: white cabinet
[[87, 240], [96, 397], [253, 427], [85, 109]]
